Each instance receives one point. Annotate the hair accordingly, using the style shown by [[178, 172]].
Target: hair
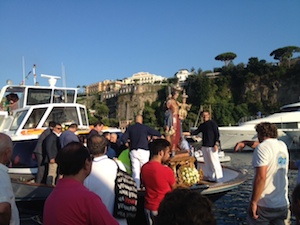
[[5, 142], [98, 123], [97, 144], [52, 124], [295, 204], [105, 134], [185, 207], [267, 129], [73, 125], [205, 111], [71, 159], [158, 145], [57, 124]]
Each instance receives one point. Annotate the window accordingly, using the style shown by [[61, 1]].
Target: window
[[63, 115], [38, 96], [18, 120], [34, 118]]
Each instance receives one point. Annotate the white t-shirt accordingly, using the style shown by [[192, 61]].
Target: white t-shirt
[[7, 194], [274, 154], [102, 181]]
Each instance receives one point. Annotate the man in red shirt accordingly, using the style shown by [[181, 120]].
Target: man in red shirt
[[157, 178]]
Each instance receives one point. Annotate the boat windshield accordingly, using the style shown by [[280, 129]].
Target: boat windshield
[[19, 117], [34, 118], [83, 117], [63, 115]]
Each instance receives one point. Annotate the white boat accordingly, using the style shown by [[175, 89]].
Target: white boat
[[37, 106], [222, 157], [287, 122]]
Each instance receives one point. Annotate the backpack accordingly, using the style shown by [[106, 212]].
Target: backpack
[[126, 195]]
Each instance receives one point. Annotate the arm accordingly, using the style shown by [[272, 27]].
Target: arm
[[241, 145], [5, 213], [258, 187]]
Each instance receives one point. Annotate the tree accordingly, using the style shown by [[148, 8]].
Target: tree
[[226, 57], [285, 54]]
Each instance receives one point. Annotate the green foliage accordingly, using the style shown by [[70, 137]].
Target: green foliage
[[226, 57]]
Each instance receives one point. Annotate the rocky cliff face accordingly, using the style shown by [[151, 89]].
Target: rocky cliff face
[[131, 104]]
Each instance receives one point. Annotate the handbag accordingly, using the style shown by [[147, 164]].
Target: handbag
[[126, 195]]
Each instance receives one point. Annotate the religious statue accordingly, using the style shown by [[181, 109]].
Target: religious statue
[[184, 107]]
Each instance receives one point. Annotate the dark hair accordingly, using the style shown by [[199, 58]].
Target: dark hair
[[71, 159], [266, 129], [157, 145], [185, 207], [52, 124], [98, 123], [97, 144], [105, 134], [73, 125]]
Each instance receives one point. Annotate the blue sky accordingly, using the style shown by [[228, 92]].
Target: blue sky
[[98, 40]]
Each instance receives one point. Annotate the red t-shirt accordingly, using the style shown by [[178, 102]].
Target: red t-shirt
[[72, 203], [158, 180]]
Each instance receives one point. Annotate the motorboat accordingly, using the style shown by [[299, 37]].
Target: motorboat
[[37, 106], [287, 121], [222, 156]]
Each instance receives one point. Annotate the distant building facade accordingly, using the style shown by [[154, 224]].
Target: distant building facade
[[106, 85], [144, 78], [182, 75]]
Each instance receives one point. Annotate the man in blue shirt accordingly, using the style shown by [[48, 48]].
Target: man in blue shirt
[[138, 136], [69, 135]]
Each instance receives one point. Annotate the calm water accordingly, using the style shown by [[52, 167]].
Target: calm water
[[230, 209]]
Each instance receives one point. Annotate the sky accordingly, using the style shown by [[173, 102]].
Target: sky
[[98, 40]]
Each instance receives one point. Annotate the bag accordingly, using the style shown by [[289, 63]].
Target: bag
[[126, 195]]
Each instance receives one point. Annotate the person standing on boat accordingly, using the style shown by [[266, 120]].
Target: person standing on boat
[[51, 147], [70, 201], [68, 135], [98, 127], [269, 200], [139, 150], [158, 179], [102, 178], [9, 213], [212, 168], [38, 151]]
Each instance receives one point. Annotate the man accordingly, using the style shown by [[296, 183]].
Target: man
[[157, 178], [102, 178], [269, 201], [185, 207], [70, 202], [38, 151], [9, 213], [110, 152], [210, 145], [51, 147], [98, 127], [69, 135], [138, 145]]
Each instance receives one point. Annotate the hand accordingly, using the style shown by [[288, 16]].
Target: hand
[[239, 146], [253, 210], [216, 148]]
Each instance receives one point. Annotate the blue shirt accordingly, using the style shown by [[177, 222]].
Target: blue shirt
[[67, 137]]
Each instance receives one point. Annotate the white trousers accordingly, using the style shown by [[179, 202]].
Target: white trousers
[[212, 168], [138, 158]]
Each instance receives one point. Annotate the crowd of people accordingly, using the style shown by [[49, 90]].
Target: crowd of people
[[84, 176]]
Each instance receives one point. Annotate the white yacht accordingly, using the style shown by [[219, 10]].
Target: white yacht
[[287, 122], [37, 106]]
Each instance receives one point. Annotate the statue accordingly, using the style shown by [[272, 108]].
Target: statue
[[175, 113], [184, 107]]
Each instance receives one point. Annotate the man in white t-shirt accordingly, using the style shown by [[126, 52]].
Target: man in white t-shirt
[[102, 177], [9, 213], [269, 202]]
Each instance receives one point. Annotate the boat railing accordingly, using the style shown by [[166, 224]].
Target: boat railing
[[249, 118]]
